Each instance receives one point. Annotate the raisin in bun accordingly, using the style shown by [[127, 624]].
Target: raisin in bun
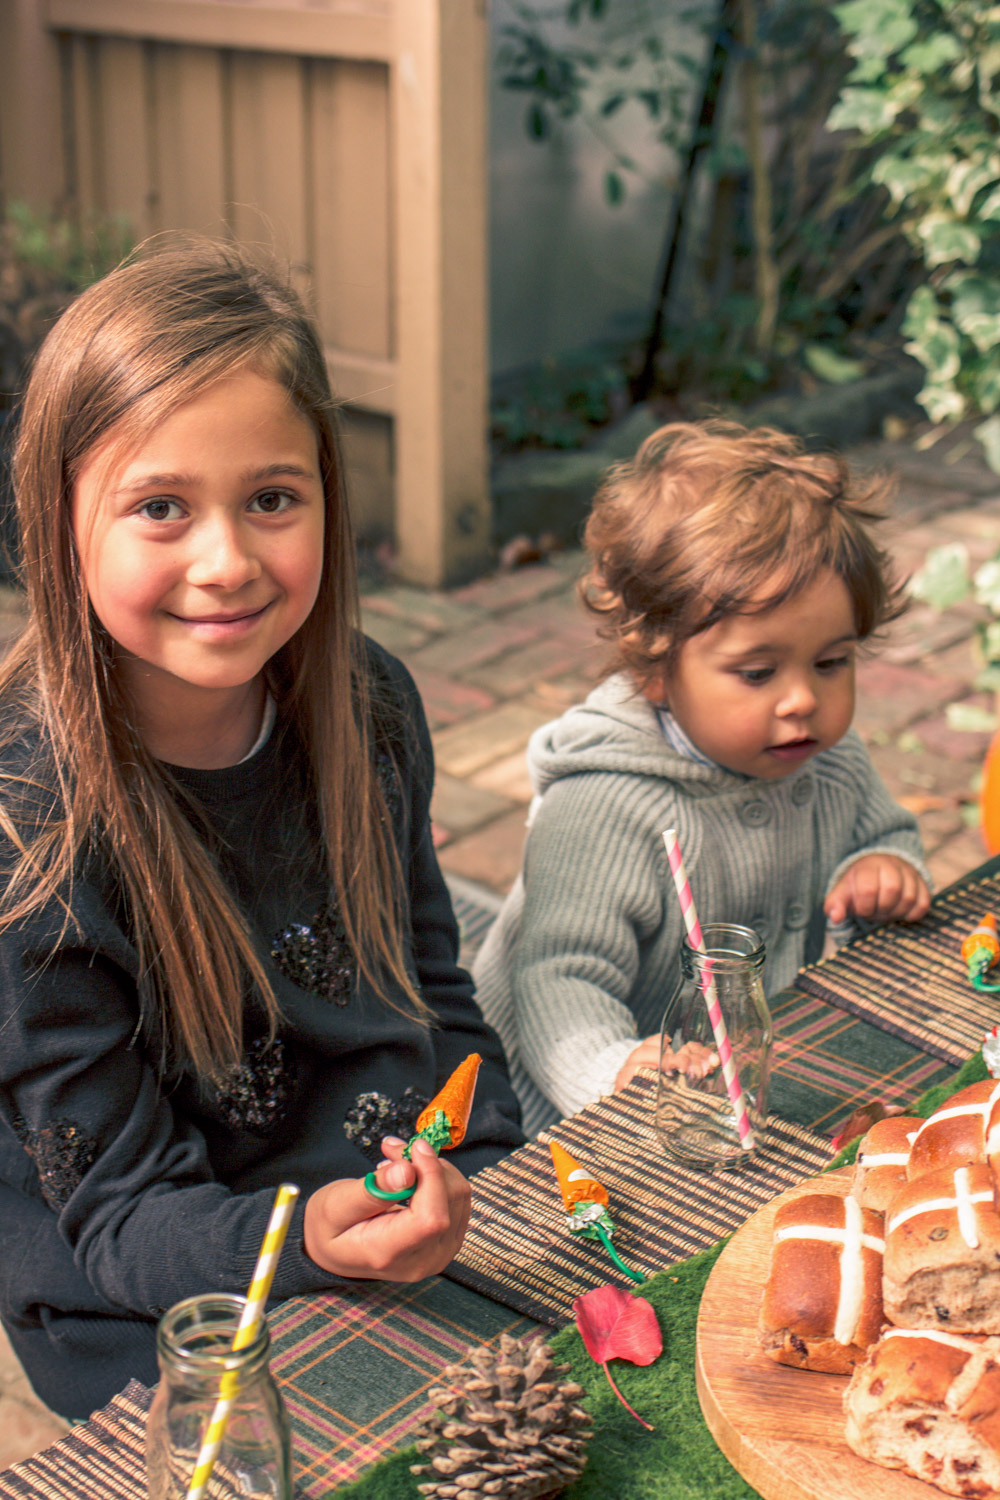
[[822, 1303]]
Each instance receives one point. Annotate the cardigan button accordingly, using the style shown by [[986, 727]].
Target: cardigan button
[[755, 814], [802, 791], [760, 928], [796, 916]]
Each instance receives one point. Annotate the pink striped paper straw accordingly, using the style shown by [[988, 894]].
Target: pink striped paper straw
[[725, 1051]]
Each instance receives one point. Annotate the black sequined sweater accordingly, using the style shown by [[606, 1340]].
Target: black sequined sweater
[[121, 1193]]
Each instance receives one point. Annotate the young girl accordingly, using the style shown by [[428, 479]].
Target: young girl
[[735, 576], [227, 956]]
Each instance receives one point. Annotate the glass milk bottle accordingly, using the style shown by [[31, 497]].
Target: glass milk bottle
[[197, 1368], [697, 1121]]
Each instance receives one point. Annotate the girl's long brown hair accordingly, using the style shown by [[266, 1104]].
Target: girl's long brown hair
[[132, 348]]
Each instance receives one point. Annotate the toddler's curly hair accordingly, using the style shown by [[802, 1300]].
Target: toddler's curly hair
[[712, 519]]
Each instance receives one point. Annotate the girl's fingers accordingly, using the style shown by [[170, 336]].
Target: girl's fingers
[[429, 1204], [349, 1202]]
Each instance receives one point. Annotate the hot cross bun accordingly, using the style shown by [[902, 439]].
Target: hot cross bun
[[965, 1129], [823, 1300], [880, 1168], [929, 1403], [942, 1253]]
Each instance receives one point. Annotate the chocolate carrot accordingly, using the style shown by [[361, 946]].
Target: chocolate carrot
[[981, 951], [586, 1203], [454, 1101], [442, 1123], [575, 1181]]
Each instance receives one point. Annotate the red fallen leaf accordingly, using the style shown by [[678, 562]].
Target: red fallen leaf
[[615, 1325], [862, 1120]]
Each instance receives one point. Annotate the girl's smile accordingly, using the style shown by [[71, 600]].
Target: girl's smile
[[762, 693], [202, 549]]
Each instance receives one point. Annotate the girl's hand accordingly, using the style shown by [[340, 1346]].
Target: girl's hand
[[693, 1059], [880, 888], [350, 1233]]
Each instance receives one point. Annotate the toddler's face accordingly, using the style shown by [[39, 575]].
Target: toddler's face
[[202, 546], [762, 694]]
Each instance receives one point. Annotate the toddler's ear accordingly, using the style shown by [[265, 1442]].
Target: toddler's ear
[[655, 689]]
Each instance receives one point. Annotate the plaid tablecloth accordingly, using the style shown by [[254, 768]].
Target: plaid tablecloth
[[355, 1369]]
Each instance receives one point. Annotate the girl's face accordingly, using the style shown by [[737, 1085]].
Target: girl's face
[[762, 694], [202, 546]]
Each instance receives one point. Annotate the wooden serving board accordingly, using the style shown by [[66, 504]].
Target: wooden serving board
[[781, 1428]]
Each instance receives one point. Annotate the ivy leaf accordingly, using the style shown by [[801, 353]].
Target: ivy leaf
[[944, 578], [969, 718], [835, 368], [988, 433], [615, 1325], [932, 52], [946, 239], [864, 109]]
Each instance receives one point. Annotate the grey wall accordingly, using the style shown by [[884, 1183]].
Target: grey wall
[[568, 270]]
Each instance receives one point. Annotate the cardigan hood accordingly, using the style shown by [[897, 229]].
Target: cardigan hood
[[617, 730]]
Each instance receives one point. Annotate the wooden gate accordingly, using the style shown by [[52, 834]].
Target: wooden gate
[[348, 134]]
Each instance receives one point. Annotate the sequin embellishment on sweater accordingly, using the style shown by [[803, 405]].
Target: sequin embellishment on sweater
[[375, 1115], [256, 1092], [62, 1153], [317, 957]]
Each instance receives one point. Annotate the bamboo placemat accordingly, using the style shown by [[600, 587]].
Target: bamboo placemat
[[105, 1459], [911, 981], [518, 1250]]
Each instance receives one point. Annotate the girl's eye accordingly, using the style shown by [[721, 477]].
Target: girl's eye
[[272, 502], [833, 663], [755, 675], [160, 510]]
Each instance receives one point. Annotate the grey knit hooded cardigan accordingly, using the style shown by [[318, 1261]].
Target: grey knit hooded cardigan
[[584, 956]]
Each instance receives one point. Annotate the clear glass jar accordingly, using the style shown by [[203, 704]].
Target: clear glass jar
[[194, 1348], [696, 1120]]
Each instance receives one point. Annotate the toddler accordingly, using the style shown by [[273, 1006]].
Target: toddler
[[735, 576]]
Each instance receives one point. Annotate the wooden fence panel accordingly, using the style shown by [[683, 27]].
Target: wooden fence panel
[[125, 133], [350, 148], [190, 139], [350, 137], [269, 189]]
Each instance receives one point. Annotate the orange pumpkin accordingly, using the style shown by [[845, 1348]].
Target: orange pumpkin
[[989, 797]]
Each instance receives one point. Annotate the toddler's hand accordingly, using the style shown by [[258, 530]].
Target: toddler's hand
[[350, 1233], [880, 888], [693, 1059], [646, 1055]]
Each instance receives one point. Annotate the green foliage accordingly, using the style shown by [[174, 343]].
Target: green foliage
[[924, 93], [946, 579], [634, 71], [45, 261], [560, 404], [617, 59]]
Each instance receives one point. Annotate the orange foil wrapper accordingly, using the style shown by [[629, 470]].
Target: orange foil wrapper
[[575, 1182], [454, 1099]]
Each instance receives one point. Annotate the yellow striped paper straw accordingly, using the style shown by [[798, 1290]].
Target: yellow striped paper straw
[[249, 1325]]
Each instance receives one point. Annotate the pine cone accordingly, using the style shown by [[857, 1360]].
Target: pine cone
[[507, 1426]]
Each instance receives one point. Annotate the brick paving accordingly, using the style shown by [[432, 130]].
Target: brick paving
[[500, 656]]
